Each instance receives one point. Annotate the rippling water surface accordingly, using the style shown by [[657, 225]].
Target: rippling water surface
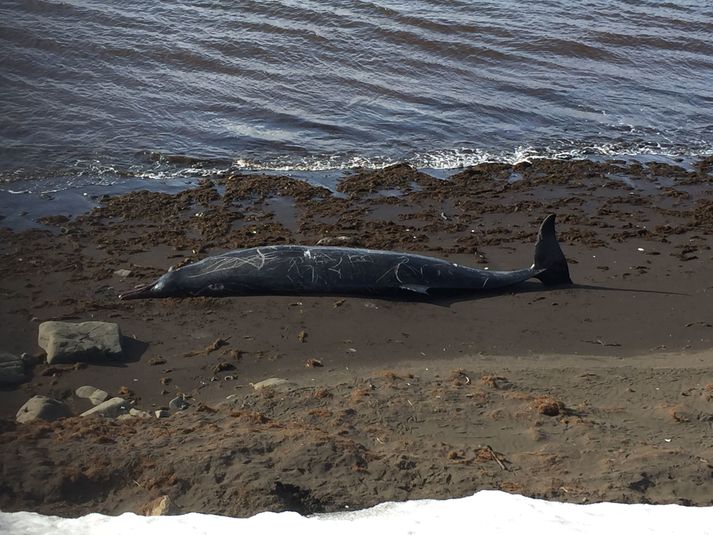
[[90, 87]]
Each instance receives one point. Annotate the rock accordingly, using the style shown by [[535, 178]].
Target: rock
[[12, 369], [162, 413], [271, 382], [42, 408], [123, 273], [123, 417], [138, 413], [79, 342], [109, 409], [95, 395], [161, 506], [178, 403], [31, 360]]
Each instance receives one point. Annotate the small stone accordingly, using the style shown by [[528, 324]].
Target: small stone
[[95, 395], [109, 409], [123, 273], [79, 342], [271, 382], [42, 408], [178, 403], [162, 413], [162, 506], [123, 417], [138, 413], [12, 369]]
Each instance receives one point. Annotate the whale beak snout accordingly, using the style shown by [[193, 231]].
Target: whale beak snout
[[138, 293]]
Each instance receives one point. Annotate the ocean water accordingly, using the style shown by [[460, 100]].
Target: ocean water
[[95, 91]]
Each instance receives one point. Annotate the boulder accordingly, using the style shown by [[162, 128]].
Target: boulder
[[109, 409], [12, 369], [42, 408], [79, 342], [95, 395]]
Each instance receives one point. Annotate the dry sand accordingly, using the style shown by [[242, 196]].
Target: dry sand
[[598, 391]]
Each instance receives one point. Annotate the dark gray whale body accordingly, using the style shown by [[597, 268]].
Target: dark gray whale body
[[301, 269]]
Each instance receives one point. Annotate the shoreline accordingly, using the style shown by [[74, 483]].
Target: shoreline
[[623, 357]]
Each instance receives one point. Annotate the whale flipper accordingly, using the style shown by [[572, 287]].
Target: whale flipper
[[549, 256]]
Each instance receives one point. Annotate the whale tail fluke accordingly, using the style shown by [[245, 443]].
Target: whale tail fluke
[[549, 256]]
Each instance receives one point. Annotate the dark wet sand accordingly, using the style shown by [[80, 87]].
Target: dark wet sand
[[599, 391]]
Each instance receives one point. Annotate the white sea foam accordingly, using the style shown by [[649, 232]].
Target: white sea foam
[[487, 512]]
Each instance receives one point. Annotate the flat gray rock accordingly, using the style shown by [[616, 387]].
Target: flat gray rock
[[178, 404], [42, 408], [12, 369], [79, 342], [95, 395], [109, 409]]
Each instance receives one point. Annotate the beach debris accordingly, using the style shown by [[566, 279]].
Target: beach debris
[[217, 344], [123, 273], [339, 302], [223, 366], [42, 408], [138, 413], [93, 394], [157, 361], [178, 403], [109, 409], [495, 457], [12, 369], [496, 381], [79, 342], [548, 405], [269, 383], [302, 337], [161, 506], [313, 363]]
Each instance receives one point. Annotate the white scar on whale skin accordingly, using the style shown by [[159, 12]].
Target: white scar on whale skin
[[256, 261]]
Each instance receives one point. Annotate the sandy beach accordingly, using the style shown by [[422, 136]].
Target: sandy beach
[[602, 390]]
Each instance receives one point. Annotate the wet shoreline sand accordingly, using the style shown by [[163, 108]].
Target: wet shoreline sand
[[599, 391]]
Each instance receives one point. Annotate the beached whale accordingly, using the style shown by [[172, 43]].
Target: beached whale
[[301, 269]]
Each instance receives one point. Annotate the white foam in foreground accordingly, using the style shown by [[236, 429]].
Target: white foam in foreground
[[487, 512]]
